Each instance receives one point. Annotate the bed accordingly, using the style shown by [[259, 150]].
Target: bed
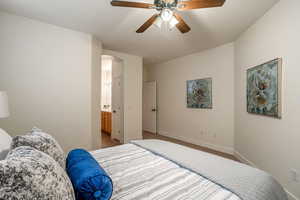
[[154, 169], [140, 170]]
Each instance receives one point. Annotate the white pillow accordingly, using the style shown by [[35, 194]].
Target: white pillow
[[5, 141]]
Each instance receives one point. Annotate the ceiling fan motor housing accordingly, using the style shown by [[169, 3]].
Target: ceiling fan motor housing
[[162, 4]]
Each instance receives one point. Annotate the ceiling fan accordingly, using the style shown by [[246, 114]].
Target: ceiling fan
[[167, 11]]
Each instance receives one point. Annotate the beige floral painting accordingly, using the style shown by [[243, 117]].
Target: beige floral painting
[[264, 89], [199, 93]]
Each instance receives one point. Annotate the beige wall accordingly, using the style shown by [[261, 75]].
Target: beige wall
[[271, 144], [133, 81], [208, 127], [47, 72], [145, 73]]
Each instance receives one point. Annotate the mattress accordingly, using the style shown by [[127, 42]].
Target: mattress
[[140, 174]]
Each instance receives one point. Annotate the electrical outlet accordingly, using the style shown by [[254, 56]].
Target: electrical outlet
[[294, 175]]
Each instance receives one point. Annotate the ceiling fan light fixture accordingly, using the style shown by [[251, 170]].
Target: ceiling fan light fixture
[[166, 14], [158, 22], [173, 22]]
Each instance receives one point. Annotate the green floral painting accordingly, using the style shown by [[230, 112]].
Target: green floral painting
[[199, 93], [264, 89]]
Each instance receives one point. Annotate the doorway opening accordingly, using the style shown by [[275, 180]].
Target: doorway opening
[[112, 112]]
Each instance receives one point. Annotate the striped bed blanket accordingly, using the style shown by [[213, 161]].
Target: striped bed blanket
[[246, 182], [139, 174]]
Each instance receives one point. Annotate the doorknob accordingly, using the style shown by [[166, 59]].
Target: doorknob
[[153, 110], [114, 111]]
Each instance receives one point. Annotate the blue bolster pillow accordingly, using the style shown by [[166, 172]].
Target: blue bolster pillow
[[89, 180]]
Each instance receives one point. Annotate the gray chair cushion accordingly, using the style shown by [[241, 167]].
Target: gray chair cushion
[[27, 173], [42, 142]]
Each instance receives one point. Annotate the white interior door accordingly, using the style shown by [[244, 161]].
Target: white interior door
[[117, 101], [149, 107]]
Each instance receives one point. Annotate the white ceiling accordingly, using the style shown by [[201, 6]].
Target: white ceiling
[[116, 26]]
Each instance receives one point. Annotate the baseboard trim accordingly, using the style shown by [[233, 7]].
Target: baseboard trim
[[291, 196], [243, 159], [148, 130], [246, 161], [220, 148], [223, 149]]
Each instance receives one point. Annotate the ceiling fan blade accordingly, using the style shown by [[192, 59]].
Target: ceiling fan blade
[[195, 4], [131, 4], [182, 26], [147, 24]]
